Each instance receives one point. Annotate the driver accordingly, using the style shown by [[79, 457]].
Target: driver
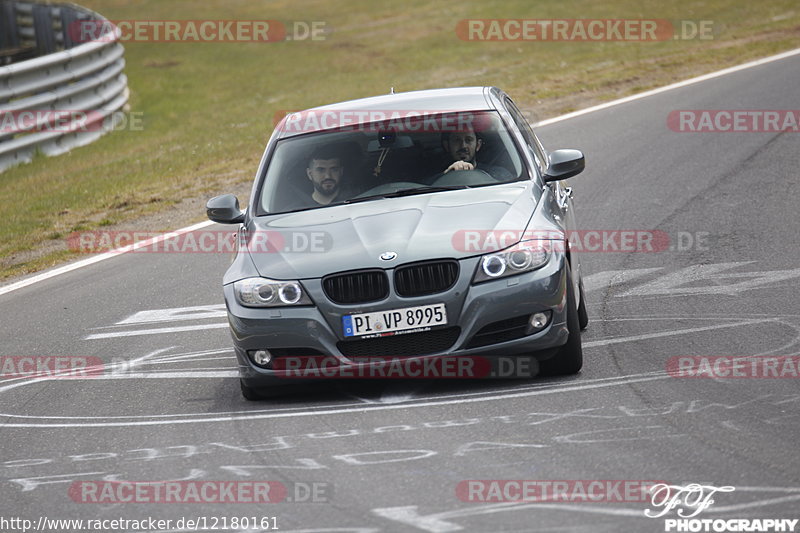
[[463, 146]]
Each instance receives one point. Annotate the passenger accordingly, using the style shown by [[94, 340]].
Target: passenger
[[325, 171]]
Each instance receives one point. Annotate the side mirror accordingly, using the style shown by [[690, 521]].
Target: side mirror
[[225, 210], [564, 164]]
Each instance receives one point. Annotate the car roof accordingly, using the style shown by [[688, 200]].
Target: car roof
[[430, 101]]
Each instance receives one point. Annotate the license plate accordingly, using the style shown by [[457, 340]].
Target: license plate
[[394, 320]]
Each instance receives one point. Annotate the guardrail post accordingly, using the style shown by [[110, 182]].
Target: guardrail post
[[43, 29], [8, 26], [69, 23]]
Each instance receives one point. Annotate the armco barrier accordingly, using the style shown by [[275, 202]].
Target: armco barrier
[[48, 71]]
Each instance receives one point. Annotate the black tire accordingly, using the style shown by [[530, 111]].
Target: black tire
[[569, 358], [249, 393], [583, 315]]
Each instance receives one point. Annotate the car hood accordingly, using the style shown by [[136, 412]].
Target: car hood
[[317, 242]]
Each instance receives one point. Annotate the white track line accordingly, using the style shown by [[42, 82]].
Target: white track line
[[213, 417], [133, 333], [119, 251], [100, 257], [677, 85], [656, 335]]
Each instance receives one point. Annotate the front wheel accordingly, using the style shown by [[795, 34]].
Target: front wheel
[[569, 358]]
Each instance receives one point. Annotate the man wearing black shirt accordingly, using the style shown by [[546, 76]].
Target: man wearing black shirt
[[325, 171], [463, 146]]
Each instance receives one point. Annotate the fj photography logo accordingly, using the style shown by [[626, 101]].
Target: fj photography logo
[[197, 31], [199, 491], [584, 30], [689, 501]]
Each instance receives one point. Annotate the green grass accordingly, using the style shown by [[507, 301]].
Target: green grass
[[208, 107]]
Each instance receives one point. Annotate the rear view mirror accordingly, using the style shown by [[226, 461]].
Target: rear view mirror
[[389, 140], [564, 164], [225, 210]]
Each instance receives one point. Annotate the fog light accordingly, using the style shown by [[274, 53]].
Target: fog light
[[539, 320], [260, 357]]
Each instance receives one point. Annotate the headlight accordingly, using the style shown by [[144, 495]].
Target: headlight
[[262, 292], [522, 257]]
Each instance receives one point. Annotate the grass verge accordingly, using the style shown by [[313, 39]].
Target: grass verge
[[208, 108]]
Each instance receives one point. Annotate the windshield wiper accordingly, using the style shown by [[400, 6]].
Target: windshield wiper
[[423, 190], [406, 192], [363, 199]]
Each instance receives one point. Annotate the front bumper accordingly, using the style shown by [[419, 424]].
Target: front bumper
[[472, 311]]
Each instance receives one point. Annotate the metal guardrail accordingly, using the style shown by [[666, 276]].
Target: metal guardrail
[[51, 76]]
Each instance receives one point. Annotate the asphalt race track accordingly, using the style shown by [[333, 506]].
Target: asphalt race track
[[389, 456]]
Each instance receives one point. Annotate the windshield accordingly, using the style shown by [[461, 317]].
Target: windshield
[[387, 159]]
